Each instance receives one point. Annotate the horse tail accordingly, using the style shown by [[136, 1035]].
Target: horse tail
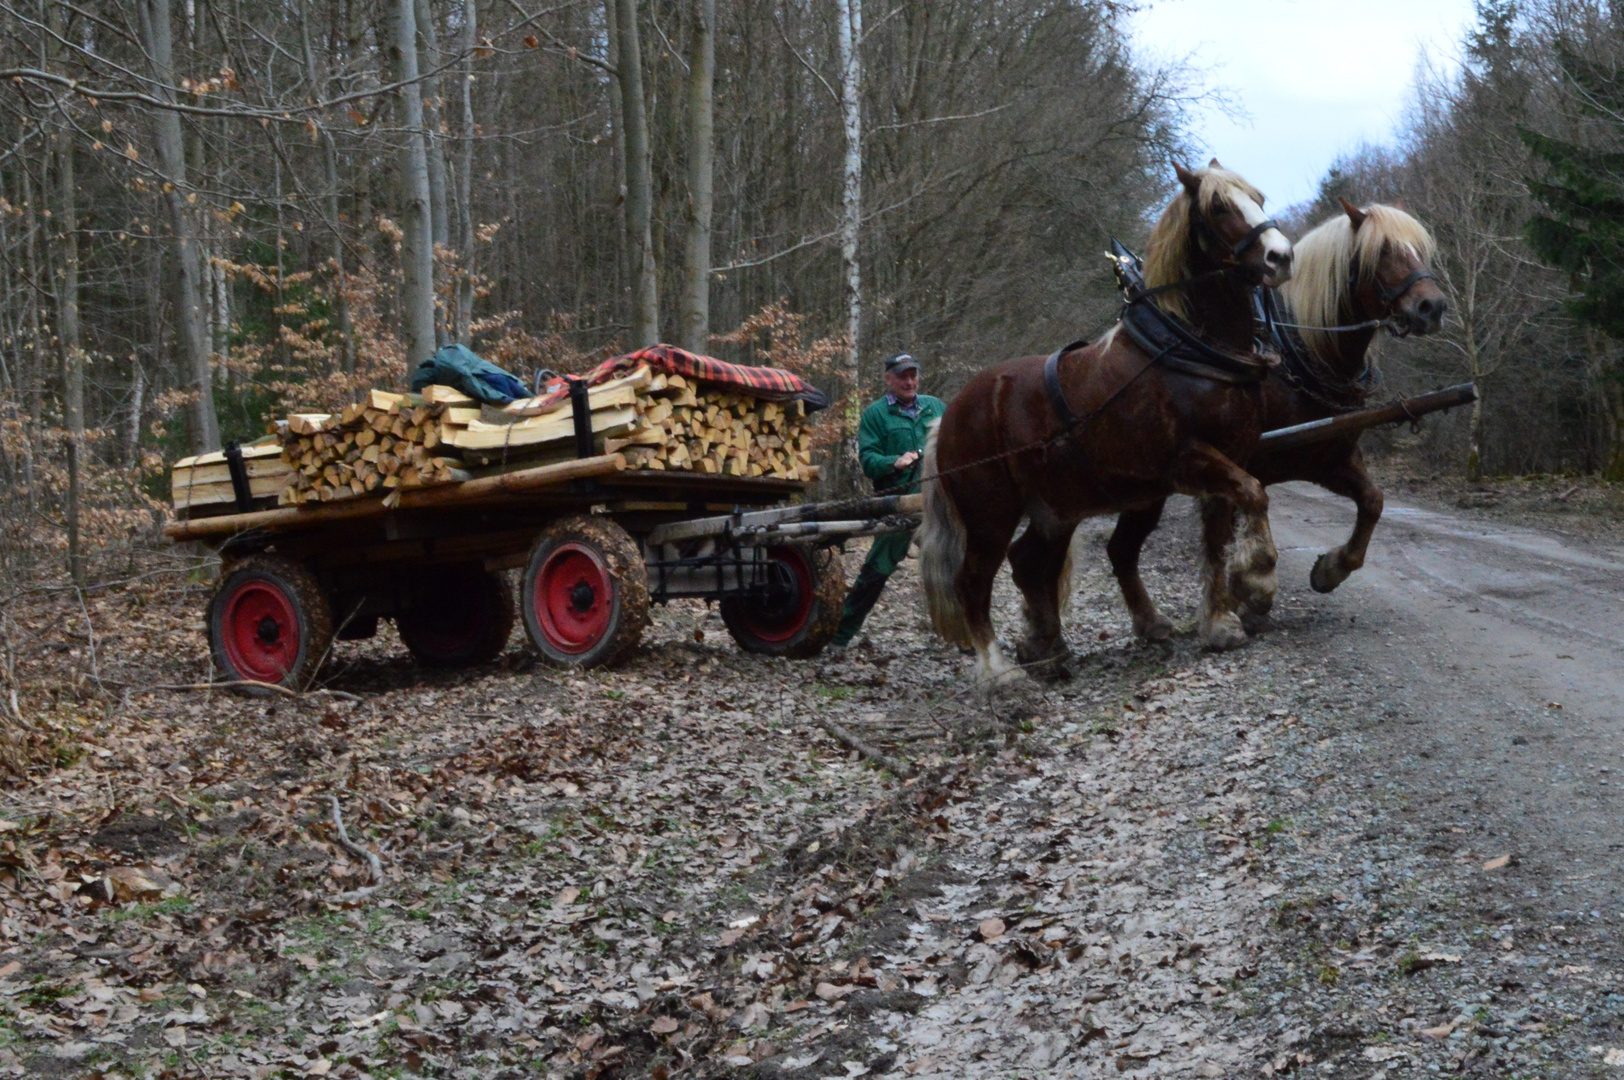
[[941, 552]]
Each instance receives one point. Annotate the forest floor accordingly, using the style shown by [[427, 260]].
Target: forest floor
[[1372, 843]]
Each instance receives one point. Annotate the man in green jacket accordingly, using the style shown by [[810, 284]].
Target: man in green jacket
[[890, 446]]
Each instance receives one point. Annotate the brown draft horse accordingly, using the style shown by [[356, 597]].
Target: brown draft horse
[[1002, 451], [1354, 272]]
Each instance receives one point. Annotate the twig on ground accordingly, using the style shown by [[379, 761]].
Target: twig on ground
[[254, 684], [355, 849], [1564, 496], [90, 638], [898, 766]]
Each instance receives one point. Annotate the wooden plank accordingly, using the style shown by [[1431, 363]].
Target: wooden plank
[[259, 448], [529, 481], [213, 474], [204, 494], [447, 395], [482, 436]]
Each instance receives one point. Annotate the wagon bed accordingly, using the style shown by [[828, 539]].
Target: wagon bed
[[597, 543]]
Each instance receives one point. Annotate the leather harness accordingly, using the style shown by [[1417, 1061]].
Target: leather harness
[[1163, 337]]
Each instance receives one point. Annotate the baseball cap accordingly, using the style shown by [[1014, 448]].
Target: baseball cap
[[901, 362]]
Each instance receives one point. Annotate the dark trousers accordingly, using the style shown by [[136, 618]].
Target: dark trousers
[[883, 558]]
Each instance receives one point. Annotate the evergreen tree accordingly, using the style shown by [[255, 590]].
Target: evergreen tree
[[1582, 193]]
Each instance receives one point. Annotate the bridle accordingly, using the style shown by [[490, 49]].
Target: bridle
[[1389, 295], [1204, 228]]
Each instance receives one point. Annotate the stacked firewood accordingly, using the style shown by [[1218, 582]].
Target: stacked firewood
[[719, 432], [383, 442], [658, 420], [387, 441]]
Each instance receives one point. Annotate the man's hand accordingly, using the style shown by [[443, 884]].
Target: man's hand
[[905, 460]]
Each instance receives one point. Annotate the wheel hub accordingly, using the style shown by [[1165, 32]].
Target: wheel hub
[[269, 631], [582, 597]]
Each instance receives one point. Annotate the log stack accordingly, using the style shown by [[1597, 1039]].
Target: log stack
[[387, 442], [383, 442]]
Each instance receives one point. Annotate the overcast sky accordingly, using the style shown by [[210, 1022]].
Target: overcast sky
[[1315, 77]]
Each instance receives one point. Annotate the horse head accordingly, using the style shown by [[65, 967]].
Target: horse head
[[1389, 278], [1228, 227]]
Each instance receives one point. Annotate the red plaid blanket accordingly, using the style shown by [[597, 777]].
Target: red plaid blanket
[[774, 384]]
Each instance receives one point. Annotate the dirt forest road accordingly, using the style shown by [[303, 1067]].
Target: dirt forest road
[[1502, 649]]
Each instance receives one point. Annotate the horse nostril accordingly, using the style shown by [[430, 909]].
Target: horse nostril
[[1427, 309]]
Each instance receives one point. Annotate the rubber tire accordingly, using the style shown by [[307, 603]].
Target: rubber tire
[[312, 617], [627, 576], [488, 593], [828, 599]]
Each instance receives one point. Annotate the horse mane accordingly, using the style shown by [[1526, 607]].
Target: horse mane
[[1318, 286], [1171, 245]]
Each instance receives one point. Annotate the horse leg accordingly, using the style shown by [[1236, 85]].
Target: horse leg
[[1251, 569], [1350, 479], [986, 542], [1127, 541], [1225, 489], [1038, 563], [1220, 626]]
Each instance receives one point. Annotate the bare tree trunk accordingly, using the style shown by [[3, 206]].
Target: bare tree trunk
[[434, 139], [417, 246], [639, 180], [465, 178], [850, 31], [346, 332], [188, 282], [73, 357], [694, 317], [617, 121]]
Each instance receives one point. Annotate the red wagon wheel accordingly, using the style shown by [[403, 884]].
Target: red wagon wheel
[[269, 622], [797, 619], [585, 593], [460, 615]]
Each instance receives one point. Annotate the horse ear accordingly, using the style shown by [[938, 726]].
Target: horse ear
[[1355, 215], [1191, 182], [1398, 204], [1213, 164]]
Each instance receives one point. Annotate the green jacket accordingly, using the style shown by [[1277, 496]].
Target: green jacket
[[885, 434]]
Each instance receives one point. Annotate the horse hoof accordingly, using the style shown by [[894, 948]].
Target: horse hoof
[[1223, 632], [1049, 663], [1255, 624], [1156, 630], [1324, 577], [1258, 596]]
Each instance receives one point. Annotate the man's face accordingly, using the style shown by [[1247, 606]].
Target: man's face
[[903, 385]]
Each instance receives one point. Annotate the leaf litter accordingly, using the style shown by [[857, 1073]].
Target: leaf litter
[[671, 869]]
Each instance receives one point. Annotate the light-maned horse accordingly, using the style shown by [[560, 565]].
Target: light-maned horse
[[1358, 269], [1003, 452]]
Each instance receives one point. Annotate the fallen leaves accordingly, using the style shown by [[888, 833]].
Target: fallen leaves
[[991, 929], [1499, 862]]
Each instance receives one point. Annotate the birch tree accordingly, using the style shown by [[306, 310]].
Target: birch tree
[[850, 35]]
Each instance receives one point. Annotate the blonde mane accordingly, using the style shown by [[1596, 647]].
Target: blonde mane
[[1318, 286], [1167, 255]]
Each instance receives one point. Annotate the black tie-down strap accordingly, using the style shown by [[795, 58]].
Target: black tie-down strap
[[581, 409], [239, 478]]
